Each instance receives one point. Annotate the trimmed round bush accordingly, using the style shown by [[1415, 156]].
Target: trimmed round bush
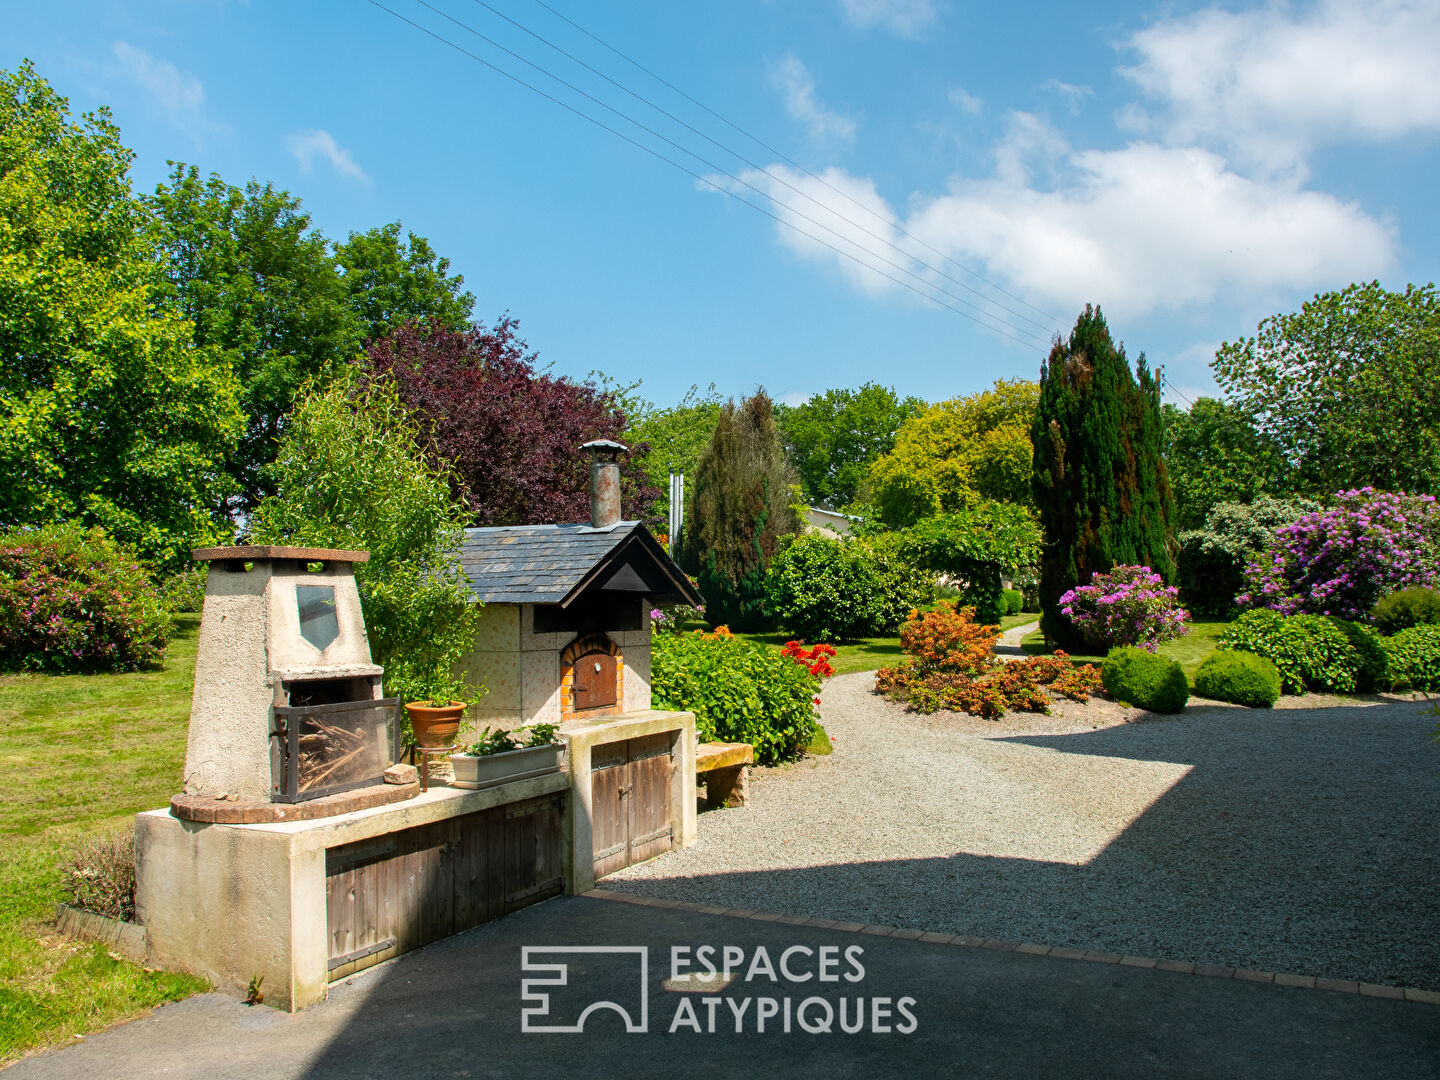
[[1312, 652], [1414, 658], [1406, 608], [1014, 601], [1146, 680], [739, 692], [821, 588], [1241, 678], [72, 600]]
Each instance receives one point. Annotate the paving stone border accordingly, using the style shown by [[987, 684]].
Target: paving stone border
[[1063, 952]]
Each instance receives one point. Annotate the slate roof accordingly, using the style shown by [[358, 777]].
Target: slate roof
[[545, 564]]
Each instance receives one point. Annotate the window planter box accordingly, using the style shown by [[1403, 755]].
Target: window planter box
[[493, 769]]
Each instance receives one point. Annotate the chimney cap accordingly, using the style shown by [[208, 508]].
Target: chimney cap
[[605, 449]]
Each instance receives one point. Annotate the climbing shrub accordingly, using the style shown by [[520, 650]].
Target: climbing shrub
[[1241, 678], [1143, 679], [1312, 652], [951, 664], [738, 691], [72, 600]]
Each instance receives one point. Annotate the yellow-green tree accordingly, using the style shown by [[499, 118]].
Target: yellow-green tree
[[109, 413], [958, 453]]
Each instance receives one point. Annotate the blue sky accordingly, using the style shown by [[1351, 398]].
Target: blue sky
[[1190, 168]]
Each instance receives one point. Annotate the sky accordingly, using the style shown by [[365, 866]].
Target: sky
[[941, 186]]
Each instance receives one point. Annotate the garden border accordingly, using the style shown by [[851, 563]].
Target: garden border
[[1182, 967]]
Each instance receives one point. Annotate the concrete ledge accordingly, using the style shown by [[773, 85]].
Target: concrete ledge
[[129, 939]]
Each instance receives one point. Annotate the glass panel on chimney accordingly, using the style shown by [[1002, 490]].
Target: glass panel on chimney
[[318, 624]]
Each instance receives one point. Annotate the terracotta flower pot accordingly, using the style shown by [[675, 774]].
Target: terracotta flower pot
[[435, 727]]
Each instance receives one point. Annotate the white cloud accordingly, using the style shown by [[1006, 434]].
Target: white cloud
[[965, 102], [905, 18], [1072, 94], [305, 146], [179, 94], [794, 398], [792, 78], [1269, 85]]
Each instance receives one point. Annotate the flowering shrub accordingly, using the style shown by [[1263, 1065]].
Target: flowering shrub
[[1131, 605], [739, 692], [815, 659], [673, 618], [73, 601], [1340, 561], [951, 664]]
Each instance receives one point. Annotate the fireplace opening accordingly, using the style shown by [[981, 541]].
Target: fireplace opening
[[333, 736]]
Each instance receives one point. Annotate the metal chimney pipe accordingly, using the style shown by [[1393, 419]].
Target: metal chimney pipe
[[604, 482]]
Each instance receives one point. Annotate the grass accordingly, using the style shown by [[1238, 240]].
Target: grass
[[82, 754], [1190, 650]]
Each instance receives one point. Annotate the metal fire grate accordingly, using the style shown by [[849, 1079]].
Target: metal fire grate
[[324, 749]]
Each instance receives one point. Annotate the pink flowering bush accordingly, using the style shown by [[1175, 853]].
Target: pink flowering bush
[[1131, 605], [73, 601], [1340, 561]]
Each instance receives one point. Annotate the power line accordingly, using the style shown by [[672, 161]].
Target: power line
[[737, 179], [789, 161], [694, 175], [1043, 327]]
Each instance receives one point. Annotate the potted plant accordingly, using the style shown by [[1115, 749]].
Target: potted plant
[[499, 756], [436, 713]]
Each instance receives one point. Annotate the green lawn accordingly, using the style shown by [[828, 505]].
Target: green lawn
[[868, 654], [81, 755], [1190, 650]]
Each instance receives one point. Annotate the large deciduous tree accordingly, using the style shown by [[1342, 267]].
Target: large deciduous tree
[[957, 454], [1214, 455], [510, 434], [258, 281], [392, 281], [1346, 388], [677, 436], [1100, 483], [109, 413], [740, 509], [833, 439]]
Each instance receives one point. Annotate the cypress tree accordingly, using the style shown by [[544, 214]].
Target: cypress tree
[[741, 508], [1100, 483]]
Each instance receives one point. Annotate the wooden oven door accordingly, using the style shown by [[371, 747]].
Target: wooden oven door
[[594, 681]]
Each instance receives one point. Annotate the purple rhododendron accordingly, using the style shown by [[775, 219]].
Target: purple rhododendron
[[1340, 561], [1131, 605]]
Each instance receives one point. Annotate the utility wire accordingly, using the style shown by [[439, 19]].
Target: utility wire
[[1042, 327], [694, 175], [737, 179], [789, 161]]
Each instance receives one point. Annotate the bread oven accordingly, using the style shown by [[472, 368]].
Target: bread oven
[[288, 706]]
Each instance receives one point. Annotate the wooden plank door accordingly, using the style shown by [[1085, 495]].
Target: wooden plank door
[[610, 817], [630, 801]]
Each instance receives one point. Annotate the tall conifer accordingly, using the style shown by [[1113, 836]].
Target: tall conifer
[[1099, 481], [740, 510]]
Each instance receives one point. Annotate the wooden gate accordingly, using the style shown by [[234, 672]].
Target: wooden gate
[[630, 800], [394, 893]]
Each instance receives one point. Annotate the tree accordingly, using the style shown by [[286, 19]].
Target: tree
[[391, 282], [258, 282], [957, 453], [1214, 455], [1345, 388], [351, 472], [1100, 483], [510, 435], [976, 546], [740, 510], [108, 413], [677, 436], [833, 439]]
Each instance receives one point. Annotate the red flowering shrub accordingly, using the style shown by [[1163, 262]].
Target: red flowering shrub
[[815, 659], [952, 665], [73, 601]]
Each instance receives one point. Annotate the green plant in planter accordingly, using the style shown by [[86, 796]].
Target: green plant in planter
[[543, 735], [493, 741]]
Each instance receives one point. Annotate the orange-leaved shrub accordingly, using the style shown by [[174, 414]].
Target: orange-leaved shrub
[[951, 664]]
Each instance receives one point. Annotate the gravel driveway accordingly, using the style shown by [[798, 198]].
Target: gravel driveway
[[1301, 839]]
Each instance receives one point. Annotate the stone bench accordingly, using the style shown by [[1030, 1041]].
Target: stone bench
[[726, 769]]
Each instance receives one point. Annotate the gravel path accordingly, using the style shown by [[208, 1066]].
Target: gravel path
[[1302, 839]]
